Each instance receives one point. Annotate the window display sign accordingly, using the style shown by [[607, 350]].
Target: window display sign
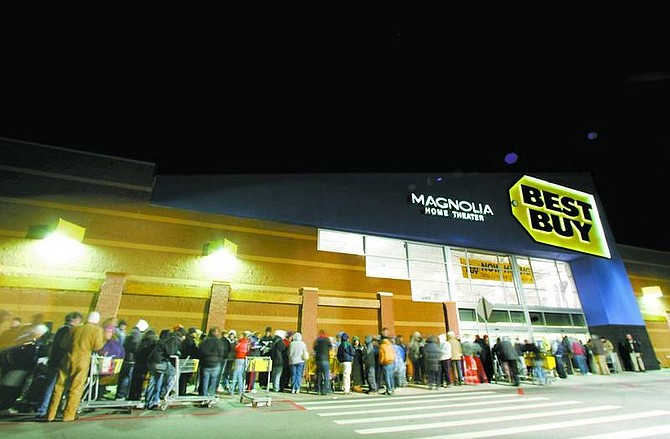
[[490, 270], [559, 216]]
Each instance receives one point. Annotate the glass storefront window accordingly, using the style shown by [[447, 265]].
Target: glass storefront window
[[440, 273], [466, 315], [517, 317], [557, 319], [536, 319]]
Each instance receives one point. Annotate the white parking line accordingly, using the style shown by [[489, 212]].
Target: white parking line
[[497, 409], [632, 434], [469, 422], [555, 426], [438, 395]]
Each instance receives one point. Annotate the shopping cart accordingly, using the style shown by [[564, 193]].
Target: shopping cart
[[546, 362], [103, 369], [335, 379], [255, 365], [172, 396]]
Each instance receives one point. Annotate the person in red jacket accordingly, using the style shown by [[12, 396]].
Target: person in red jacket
[[241, 350]]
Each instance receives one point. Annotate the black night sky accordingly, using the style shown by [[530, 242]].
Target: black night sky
[[381, 96]]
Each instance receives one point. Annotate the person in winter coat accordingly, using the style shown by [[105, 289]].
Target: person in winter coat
[[634, 351], [322, 348], [297, 356], [241, 351], [415, 353], [56, 354], [557, 350], [212, 352], [445, 360], [130, 345], [189, 350], [345, 355], [357, 369], [277, 351], [456, 357], [147, 344], [387, 362], [74, 369], [162, 373], [432, 358], [399, 366], [506, 352], [370, 364]]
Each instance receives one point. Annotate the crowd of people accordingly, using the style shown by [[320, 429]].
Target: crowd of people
[[56, 364]]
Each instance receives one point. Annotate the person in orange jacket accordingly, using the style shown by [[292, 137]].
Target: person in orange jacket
[[387, 361]]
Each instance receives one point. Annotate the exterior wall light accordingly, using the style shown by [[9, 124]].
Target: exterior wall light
[[654, 292], [220, 245], [220, 259]]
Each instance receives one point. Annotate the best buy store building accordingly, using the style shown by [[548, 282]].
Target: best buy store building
[[499, 254]]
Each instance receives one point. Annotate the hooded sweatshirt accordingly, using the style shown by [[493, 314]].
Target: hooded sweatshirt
[[296, 348], [345, 351]]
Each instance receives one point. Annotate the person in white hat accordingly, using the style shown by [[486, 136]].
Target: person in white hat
[[131, 345], [74, 369]]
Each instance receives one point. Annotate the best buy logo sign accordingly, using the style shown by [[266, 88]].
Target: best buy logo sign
[[558, 216]]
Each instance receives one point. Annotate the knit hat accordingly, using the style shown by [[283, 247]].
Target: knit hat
[[94, 317], [40, 330], [142, 325]]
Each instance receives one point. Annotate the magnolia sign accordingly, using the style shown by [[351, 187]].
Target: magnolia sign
[[451, 208]]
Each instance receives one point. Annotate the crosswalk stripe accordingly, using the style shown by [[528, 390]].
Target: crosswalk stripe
[[515, 407], [469, 422], [429, 407], [550, 426], [438, 395], [632, 434], [400, 401]]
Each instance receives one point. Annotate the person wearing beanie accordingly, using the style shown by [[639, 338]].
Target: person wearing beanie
[[142, 325], [74, 368], [131, 346], [93, 317]]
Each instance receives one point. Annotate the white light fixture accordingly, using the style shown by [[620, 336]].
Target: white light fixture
[[654, 292], [70, 230], [220, 245]]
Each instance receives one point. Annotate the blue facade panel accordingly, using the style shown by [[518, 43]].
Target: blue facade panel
[[381, 204]]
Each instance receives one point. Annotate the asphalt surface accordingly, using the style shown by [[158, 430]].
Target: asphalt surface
[[302, 415]]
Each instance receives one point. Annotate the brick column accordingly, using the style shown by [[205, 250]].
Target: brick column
[[308, 314], [109, 298], [218, 305], [386, 317], [451, 317]]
